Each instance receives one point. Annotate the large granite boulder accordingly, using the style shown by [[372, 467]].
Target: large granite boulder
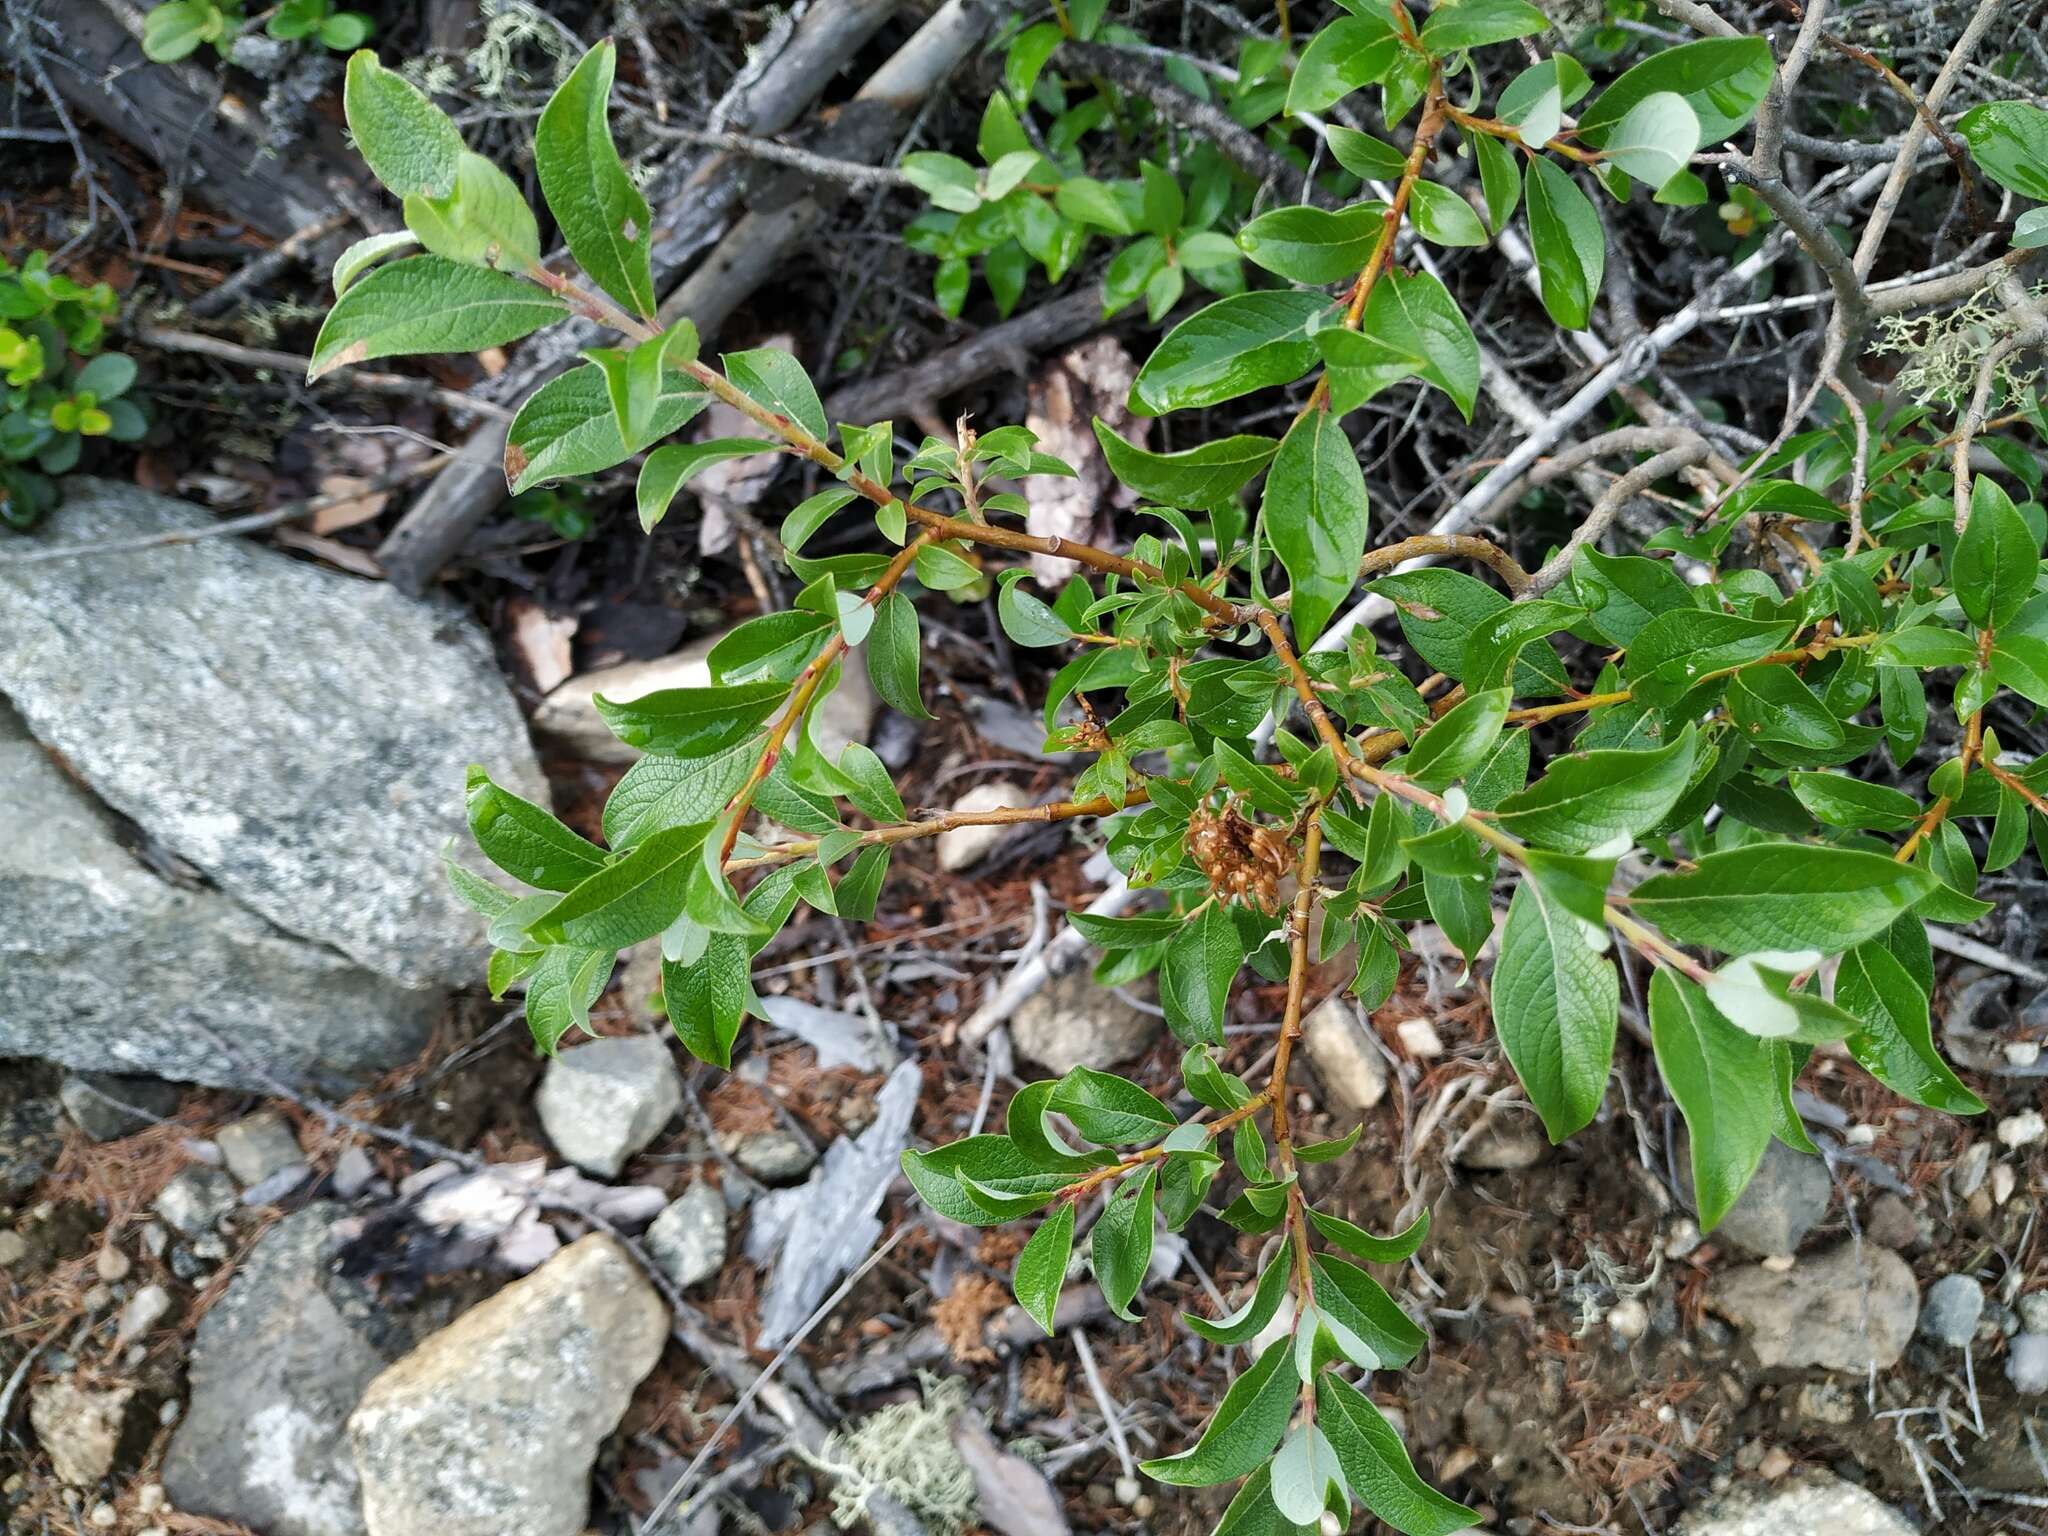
[[107, 967], [297, 735]]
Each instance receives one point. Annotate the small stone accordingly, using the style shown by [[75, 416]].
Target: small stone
[[1891, 1223], [1775, 1464], [149, 1498], [13, 1249], [1967, 1177], [1951, 1309], [97, 1298], [111, 1264], [1127, 1489], [1419, 1039], [103, 1517], [1344, 1055], [1073, 1022], [688, 1238], [1683, 1239], [2022, 1130], [1861, 1135], [195, 1200], [775, 1157], [1779, 1206], [146, 1308], [1628, 1320], [107, 1106], [1846, 1309], [1826, 1402], [964, 847], [605, 1101], [2026, 1363], [2033, 1311], [1808, 1505], [1502, 1144], [2003, 1182], [87, 1433], [259, 1146], [493, 1424], [2022, 1053], [353, 1173], [154, 1239], [278, 1187]]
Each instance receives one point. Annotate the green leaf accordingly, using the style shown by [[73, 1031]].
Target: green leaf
[[1442, 217], [1724, 1083], [1414, 314], [484, 222], [1896, 1042], [771, 377], [707, 1000], [947, 180], [1722, 79], [944, 570], [774, 646], [1364, 156], [412, 146], [659, 792], [1779, 896], [1202, 960], [667, 468], [1028, 620], [2009, 139], [560, 990], [1497, 640], [175, 29], [1305, 1475], [1459, 739], [1996, 559], [893, 650], [1571, 249], [568, 428], [1840, 800], [1314, 245], [811, 514], [526, 841], [1656, 138], [1042, 1266], [1625, 592], [861, 885], [869, 784], [366, 252], [1041, 1146], [1674, 652], [1314, 515], [1356, 1301], [1245, 1428], [428, 304], [633, 899], [602, 215], [1500, 179], [1120, 1246], [692, 722], [1361, 1243], [1376, 1464], [1201, 477], [1466, 24], [1259, 1309], [1238, 344], [1351, 52], [1438, 610], [1589, 798], [2020, 662], [936, 1175], [1555, 1004], [1110, 1110]]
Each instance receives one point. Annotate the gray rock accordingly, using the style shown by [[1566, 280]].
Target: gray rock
[[145, 1309], [13, 1248], [1503, 1143], [1073, 1022], [298, 735], [87, 1433], [688, 1238], [492, 1424], [1784, 1202], [1892, 1222], [258, 1147], [2026, 1363], [1346, 1060], [106, 967], [605, 1100], [29, 1143], [107, 1105], [1817, 1502], [2033, 1311], [1951, 1309], [775, 1157], [964, 847], [277, 1366], [195, 1200], [1847, 1309]]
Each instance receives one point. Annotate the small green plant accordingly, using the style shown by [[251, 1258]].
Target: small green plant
[[55, 393], [177, 28], [1683, 800]]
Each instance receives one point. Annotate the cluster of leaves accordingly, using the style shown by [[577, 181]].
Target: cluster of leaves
[[56, 387], [1715, 746], [176, 29]]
